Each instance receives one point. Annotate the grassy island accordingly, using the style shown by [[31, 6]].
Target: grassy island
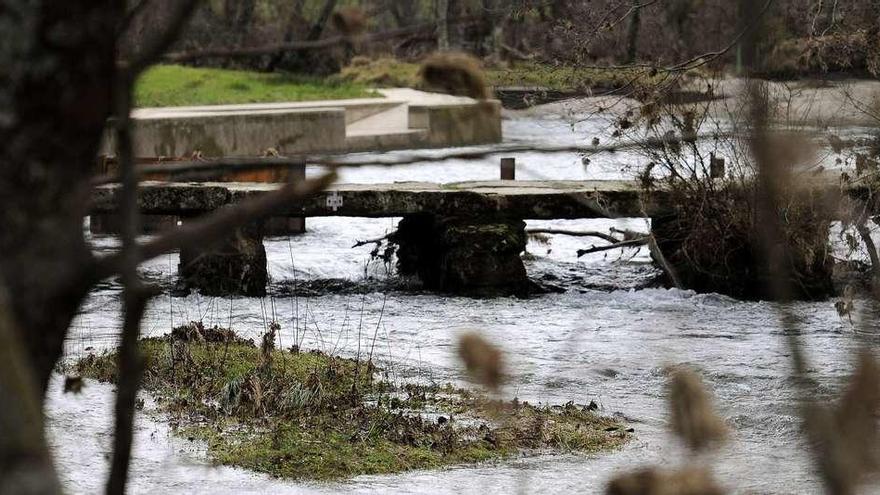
[[309, 415]]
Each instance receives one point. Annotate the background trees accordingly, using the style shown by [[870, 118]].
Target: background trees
[[558, 31]]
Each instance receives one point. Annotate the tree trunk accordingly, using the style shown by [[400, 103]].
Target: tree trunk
[[238, 14], [303, 60], [443, 24], [55, 100], [453, 32], [404, 12], [493, 29], [633, 34], [58, 62]]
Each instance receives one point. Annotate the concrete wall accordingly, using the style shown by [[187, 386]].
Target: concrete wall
[[252, 130], [237, 133]]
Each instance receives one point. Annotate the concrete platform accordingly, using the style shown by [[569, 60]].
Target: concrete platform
[[519, 199], [400, 119], [515, 199]]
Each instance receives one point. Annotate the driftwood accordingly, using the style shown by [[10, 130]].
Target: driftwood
[[377, 241], [575, 233], [616, 245]]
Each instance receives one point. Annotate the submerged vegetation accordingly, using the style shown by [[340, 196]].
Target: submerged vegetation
[[309, 415], [175, 85]]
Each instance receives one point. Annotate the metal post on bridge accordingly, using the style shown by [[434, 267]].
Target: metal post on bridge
[[508, 169], [716, 167]]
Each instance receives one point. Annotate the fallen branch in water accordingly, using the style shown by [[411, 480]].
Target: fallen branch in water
[[615, 245], [575, 233], [377, 241]]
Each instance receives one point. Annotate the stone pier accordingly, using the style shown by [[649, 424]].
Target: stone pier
[[236, 266], [466, 256]]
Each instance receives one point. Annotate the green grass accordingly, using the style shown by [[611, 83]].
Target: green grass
[[308, 415], [175, 85]]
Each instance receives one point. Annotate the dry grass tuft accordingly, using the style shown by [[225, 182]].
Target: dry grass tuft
[[350, 20], [652, 481], [693, 415], [845, 438], [457, 74], [267, 345], [484, 362]]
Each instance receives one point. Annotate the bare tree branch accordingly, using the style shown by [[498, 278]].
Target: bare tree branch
[[699, 60], [135, 298], [130, 368]]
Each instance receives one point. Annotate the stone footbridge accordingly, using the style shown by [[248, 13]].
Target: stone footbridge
[[463, 238]]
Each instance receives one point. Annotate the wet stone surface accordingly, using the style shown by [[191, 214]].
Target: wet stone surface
[[460, 256], [235, 267]]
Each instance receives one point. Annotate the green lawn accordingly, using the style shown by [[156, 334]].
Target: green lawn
[[175, 85]]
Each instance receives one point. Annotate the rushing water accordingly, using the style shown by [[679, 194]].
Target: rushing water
[[603, 339]]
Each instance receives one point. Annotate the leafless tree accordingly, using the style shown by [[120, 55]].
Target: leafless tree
[[60, 83]]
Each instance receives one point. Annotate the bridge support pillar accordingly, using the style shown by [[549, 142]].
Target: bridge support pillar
[[466, 256], [235, 266]]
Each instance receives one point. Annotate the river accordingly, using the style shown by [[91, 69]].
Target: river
[[605, 339]]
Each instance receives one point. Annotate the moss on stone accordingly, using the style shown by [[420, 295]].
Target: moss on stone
[[308, 415]]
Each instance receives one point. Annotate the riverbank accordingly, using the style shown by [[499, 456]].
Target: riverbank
[[310, 415]]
